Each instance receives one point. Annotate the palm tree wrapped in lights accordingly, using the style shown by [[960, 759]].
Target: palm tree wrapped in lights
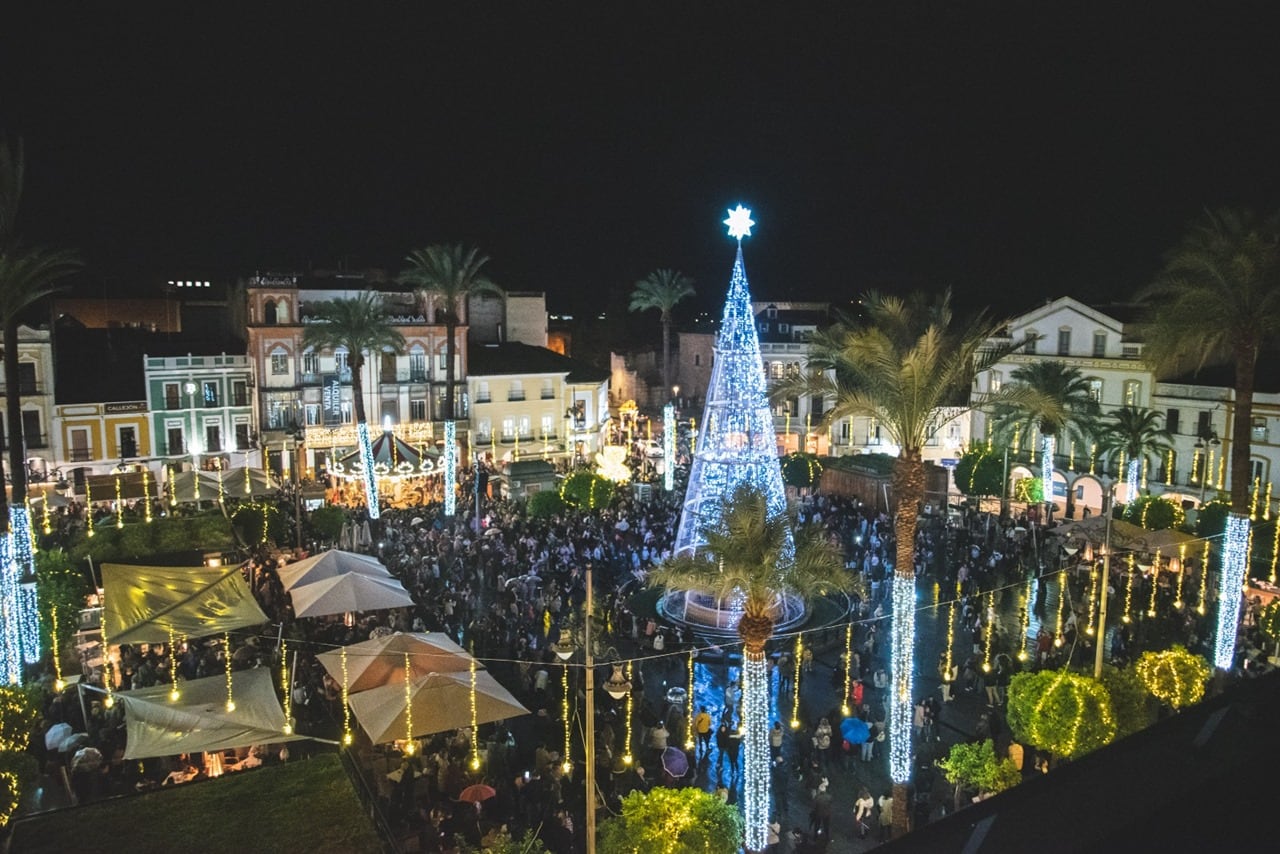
[[1137, 433], [752, 556]]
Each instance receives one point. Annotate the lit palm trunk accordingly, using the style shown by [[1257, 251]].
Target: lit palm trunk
[[366, 463], [1132, 469], [1048, 444], [755, 747], [1235, 561]]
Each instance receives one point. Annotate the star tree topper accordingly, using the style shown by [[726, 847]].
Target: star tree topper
[[740, 222]]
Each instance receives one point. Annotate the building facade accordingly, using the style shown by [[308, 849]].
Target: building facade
[[201, 408], [35, 388]]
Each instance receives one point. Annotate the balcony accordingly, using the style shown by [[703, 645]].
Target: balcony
[[240, 399], [484, 397], [548, 394], [25, 389], [80, 455], [515, 396]]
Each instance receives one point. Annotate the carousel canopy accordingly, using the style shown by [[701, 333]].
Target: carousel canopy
[[147, 604], [392, 456], [198, 720]]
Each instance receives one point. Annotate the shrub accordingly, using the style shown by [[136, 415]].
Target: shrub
[[586, 490], [1063, 713], [1155, 513], [980, 472], [975, 766], [326, 522], [545, 504], [1129, 700], [672, 821], [1175, 676], [801, 470]]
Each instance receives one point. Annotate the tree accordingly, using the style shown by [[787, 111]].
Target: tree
[[587, 490], [1269, 623], [801, 470], [1155, 513], [980, 471], [358, 325], [1063, 713], [672, 821], [62, 588], [1139, 434], [1130, 703], [662, 289], [448, 274], [754, 555], [975, 766], [1175, 676], [1218, 301], [1055, 400], [909, 364]]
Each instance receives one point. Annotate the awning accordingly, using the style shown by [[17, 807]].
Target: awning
[[198, 720], [380, 661], [148, 604], [350, 593], [440, 702], [329, 564]]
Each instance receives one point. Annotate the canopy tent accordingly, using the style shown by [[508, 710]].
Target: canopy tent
[[392, 457], [198, 720], [42, 493], [380, 661], [148, 604], [440, 702], [1124, 535], [352, 592], [329, 564], [235, 484]]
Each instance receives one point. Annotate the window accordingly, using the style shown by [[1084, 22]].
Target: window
[[1099, 345], [27, 378], [1259, 433], [172, 396], [1171, 420], [1064, 342], [239, 393], [279, 364], [176, 445], [31, 433], [418, 366], [311, 362], [1204, 424], [515, 391], [697, 359], [1030, 348], [873, 431], [508, 427], [269, 312], [441, 361], [548, 389], [548, 424], [212, 438], [80, 452], [846, 428], [128, 442], [482, 392], [418, 410], [1129, 351], [484, 430], [209, 394], [242, 435], [1132, 392], [1095, 389], [526, 426], [997, 381], [340, 362], [1257, 471], [775, 370], [312, 414]]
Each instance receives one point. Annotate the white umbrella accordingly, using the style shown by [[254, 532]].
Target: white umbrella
[[380, 661], [348, 593], [329, 564], [365, 537], [57, 734], [416, 521], [440, 702]]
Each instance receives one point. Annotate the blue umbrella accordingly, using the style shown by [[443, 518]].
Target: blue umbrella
[[855, 730], [675, 762]]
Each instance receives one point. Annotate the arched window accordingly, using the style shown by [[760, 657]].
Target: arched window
[[269, 312]]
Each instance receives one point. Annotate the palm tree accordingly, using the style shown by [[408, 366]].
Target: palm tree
[[1218, 301], [357, 325], [448, 274], [753, 556], [662, 289], [1056, 400], [1138, 433], [910, 366], [27, 275]]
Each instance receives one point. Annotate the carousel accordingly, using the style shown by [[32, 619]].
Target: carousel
[[407, 476]]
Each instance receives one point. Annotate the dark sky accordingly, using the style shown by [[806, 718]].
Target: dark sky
[[1013, 151]]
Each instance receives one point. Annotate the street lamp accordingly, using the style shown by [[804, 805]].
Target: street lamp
[[1205, 475]]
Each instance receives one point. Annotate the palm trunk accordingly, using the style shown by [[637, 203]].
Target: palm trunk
[[1048, 444], [908, 493], [666, 355], [362, 435], [13, 414], [22, 543], [1235, 548], [450, 330], [755, 631]]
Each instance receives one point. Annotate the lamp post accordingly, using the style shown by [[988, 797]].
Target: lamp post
[[1110, 489], [1203, 445]]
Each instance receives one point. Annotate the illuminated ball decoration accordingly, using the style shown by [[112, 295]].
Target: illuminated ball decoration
[[1175, 676], [1063, 713]]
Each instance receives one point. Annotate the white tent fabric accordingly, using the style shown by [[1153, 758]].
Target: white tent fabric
[[199, 721], [380, 661], [350, 592], [441, 701], [147, 604], [329, 564]]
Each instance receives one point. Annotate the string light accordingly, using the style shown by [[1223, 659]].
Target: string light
[[1128, 591], [1093, 597], [988, 620], [226, 649], [58, 683], [1275, 551], [119, 506], [848, 669], [11, 648], [475, 729], [222, 495], [1155, 584], [901, 653], [1195, 466], [24, 593], [174, 694], [248, 481], [1168, 468], [47, 522], [693, 436], [669, 447], [1253, 498], [410, 747], [754, 728], [1266, 505], [107, 681], [169, 482], [1222, 469], [1048, 445], [688, 742], [1071, 458], [1025, 622], [564, 710], [951, 637], [451, 468], [1093, 457], [370, 478], [795, 701], [146, 494], [1131, 476], [1181, 574], [346, 696], [1062, 604], [1235, 557], [1204, 579], [1144, 472], [626, 746], [285, 687]]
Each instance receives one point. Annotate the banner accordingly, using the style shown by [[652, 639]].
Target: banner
[[331, 399]]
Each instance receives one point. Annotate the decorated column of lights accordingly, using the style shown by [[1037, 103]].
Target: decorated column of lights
[[1128, 590], [1253, 498], [1131, 477], [1168, 468], [248, 481], [1093, 596], [848, 669], [146, 495], [1025, 622], [902, 631], [1071, 457], [1266, 504], [46, 522], [119, 507], [475, 727], [1093, 457], [226, 650], [11, 648], [371, 477], [989, 626], [1195, 466], [1122, 466], [1017, 440], [669, 447], [58, 682], [107, 682], [346, 696], [754, 727], [1235, 558], [410, 746], [1181, 569], [567, 765], [88, 508], [1033, 446], [35, 547], [626, 745], [285, 688], [168, 481], [1275, 550], [1144, 472], [1222, 470], [795, 690], [450, 468], [1062, 606], [222, 491], [1204, 579], [1048, 444], [28, 610], [951, 636], [689, 743], [174, 693]]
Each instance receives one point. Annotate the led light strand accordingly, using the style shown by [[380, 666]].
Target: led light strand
[[46, 523], [346, 697], [28, 608], [475, 728], [669, 447], [1128, 591], [58, 683], [1062, 605], [1195, 466], [370, 477], [795, 700], [564, 710], [988, 622], [451, 468], [1093, 457], [688, 742], [248, 481], [1181, 574], [168, 481], [901, 653], [410, 746], [1266, 504], [848, 669], [754, 728], [1253, 498], [1168, 468], [1234, 563], [226, 648], [1144, 472], [1204, 579], [951, 637], [107, 681], [1025, 622], [1093, 596], [146, 495], [285, 687], [1155, 584], [1222, 469], [11, 648], [222, 494], [1275, 551], [174, 694], [1048, 444], [626, 746], [1071, 458]]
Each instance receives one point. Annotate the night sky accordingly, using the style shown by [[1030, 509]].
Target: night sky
[[1010, 151]]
